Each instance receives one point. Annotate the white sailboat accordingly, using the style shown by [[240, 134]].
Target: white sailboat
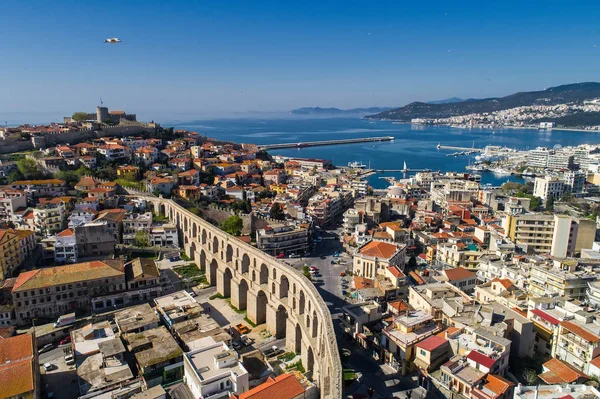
[[405, 168]]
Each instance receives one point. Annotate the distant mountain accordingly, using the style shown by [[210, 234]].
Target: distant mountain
[[447, 101], [570, 93], [336, 111]]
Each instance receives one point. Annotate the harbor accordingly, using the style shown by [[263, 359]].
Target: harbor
[[324, 143]]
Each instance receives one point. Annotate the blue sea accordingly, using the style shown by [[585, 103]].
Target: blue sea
[[415, 145]]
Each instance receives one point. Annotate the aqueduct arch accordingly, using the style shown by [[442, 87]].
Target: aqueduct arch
[[271, 292]]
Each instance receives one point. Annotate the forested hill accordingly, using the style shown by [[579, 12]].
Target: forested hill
[[577, 92]]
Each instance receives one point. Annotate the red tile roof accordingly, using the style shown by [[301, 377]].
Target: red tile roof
[[396, 272], [560, 372], [431, 343], [578, 330], [379, 249], [285, 386], [497, 384], [482, 359], [17, 360], [66, 233], [458, 273], [540, 313]]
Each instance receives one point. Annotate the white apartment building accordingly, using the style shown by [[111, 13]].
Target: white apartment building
[[548, 186], [134, 222], [163, 235], [65, 247], [10, 201], [214, 371]]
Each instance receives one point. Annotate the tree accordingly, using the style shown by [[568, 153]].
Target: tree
[[550, 203], [80, 116], [530, 376], [141, 239], [29, 169], [69, 176], [233, 225], [238, 181], [276, 212], [14, 176], [510, 186]]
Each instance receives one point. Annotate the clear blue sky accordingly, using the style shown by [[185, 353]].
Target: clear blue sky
[[234, 56]]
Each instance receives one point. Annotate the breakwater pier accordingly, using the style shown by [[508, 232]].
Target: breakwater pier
[[322, 143]]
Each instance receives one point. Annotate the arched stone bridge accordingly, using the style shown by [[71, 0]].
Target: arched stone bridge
[[271, 293]]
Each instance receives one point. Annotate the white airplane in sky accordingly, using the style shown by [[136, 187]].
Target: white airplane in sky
[[112, 40]]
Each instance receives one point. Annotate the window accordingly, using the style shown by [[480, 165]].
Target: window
[[422, 352]]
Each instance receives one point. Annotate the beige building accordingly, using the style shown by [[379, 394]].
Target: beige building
[[562, 279], [558, 235], [375, 257], [278, 239], [546, 187], [54, 291]]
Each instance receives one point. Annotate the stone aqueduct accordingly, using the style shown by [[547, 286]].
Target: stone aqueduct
[[271, 293]]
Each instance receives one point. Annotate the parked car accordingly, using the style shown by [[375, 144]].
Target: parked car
[[313, 268], [294, 256], [65, 341], [280, 256], [342, 274], [49, 366], [46, 348], [272, 351], [323, 257]]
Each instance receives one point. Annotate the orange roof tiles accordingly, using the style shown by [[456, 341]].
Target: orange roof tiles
[[497, 384], [431, 343], [52, 276], [399, 305], [379, 250], [361, 282], [560, 372], [458, 273], [16, 365], [396, 272], [285, 386], [506, 283], [580, 331], [66, 233]]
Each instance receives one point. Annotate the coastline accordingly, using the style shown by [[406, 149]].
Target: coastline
[[566, 129]]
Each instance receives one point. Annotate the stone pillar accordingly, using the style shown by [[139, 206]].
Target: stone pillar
[[271, 320], [290, 335], [235, 294], [220, 285], [251, 306]]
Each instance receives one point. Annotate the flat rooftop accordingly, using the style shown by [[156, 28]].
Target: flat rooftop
[[130, 319], [206, 362], [87, 339], [153, 346]]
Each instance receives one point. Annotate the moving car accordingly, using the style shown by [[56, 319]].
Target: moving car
[[280, 256]]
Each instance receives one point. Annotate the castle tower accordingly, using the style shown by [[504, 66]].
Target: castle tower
[[101, 114]]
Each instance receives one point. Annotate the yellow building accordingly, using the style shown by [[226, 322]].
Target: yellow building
[[128, 172], [278, 188], [10, 252]]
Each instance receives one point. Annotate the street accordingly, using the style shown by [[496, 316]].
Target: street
[[62, 379], [383, 379]]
